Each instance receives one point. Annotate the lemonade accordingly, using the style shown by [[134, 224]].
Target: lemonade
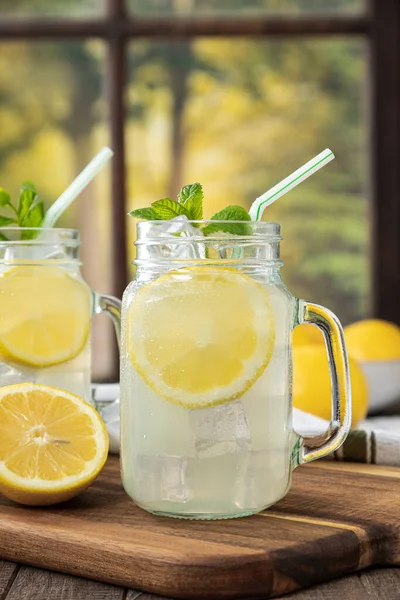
[[45, 340], [206, 427], [228, 460], [45, 310]]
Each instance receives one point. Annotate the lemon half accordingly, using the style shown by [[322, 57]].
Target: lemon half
[[373, 340], [307, 334], [44, 315], [201, 336], [312, 391], [53, 444]]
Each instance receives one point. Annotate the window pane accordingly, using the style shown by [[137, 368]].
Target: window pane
[[53, 119], [51, 8], [240, 7], [239, 117]]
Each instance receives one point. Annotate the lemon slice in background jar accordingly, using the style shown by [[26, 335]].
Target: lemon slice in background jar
[[53, 444], [201, 336], [44, 316]]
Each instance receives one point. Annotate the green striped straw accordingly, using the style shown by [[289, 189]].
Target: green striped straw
[[313, 165], [76, 187]]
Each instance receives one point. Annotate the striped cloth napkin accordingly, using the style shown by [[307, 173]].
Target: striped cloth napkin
[[376, 440]]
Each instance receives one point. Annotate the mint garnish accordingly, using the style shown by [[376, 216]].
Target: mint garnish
[[28, 212], [5, 198], [34, 218], [26, 198], [191, 196], [230, 213], [190, 204], [145, 213], [168, 209], [4, 221]]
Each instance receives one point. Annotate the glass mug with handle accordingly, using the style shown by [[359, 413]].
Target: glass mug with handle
[[46, 309], [206, 374]]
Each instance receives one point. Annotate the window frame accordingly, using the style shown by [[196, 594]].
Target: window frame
[[380, 26]]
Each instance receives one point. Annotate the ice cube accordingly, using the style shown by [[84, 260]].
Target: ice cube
[[10, 375], [170, 233], [158, 478], [56, 254], [20, 253], [153, 427], [263, 478], [7, 255], [220, 430]]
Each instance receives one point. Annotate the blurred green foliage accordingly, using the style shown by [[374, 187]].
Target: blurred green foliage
[[158, 7], [235, 114]]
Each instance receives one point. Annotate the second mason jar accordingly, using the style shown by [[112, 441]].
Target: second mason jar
[[46, 309]]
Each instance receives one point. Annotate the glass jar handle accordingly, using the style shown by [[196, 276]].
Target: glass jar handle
[[321, 445], [107, 406], [111, 305]]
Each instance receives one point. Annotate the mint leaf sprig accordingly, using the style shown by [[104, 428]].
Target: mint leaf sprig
[[28, 212], [190, 204], [230, 213]]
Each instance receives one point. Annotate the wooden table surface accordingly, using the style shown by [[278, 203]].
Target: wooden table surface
[[18, 582]]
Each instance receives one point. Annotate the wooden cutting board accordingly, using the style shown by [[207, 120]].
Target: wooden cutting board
[[338, 518]]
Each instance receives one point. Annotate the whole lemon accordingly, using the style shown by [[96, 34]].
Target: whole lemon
[[312, 385], [373, 340], [304, 335]]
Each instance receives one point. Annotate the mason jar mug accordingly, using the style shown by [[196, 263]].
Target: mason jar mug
[[46, 309], [206, 372]]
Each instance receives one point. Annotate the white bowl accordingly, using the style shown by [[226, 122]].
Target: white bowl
[[383, 378]]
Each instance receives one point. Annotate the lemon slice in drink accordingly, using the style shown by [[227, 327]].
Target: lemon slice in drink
[[44, 315], [53, 444], [201, 336]]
